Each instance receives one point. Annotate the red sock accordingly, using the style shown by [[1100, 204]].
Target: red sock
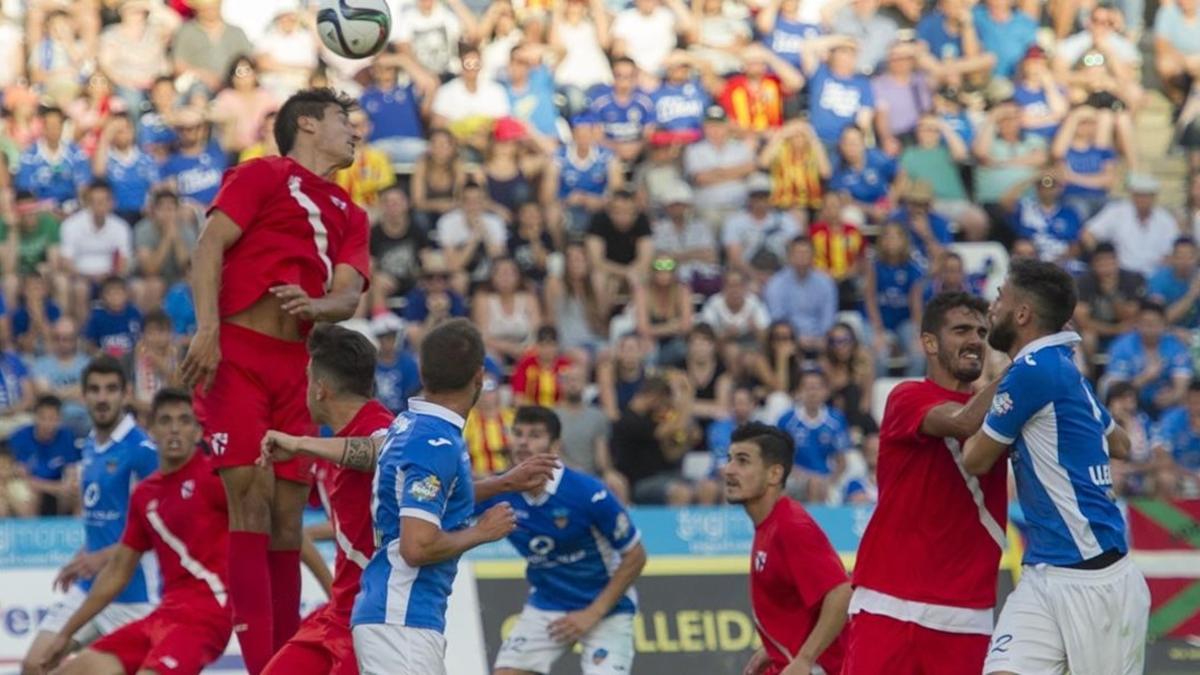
[[250, 593], [285, 593]]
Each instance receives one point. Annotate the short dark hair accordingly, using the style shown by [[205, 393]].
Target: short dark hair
[[168, 396], [112, 280], [1148, 305], [655, 385], [773, 443], [1184, 241], [623, 60], [162, 195], [48, 401], [451, 356], [47, 110], [305, 103], [1119, 389], [104, 364], [702, 330], [159, 319], [1104, 248], [1194, 385], [1052, 289], [99, 184], [799, 240], [536, 414], [345, 357], [935, 312], [547, 333]]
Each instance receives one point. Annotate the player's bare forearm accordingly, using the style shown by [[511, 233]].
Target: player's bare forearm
[[981, 453], [830, 621], [951, 420], [632, 563], [219, 233], [354, 452], [108, 585], [311, 557], [342, 300], [423, 543], [1118, 443]]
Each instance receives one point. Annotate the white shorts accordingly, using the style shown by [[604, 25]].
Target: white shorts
[[607, 648], [108, 620], [1057, 620], [384, 649]]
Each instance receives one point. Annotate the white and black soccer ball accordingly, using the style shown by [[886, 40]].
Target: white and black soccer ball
[[355, 29]]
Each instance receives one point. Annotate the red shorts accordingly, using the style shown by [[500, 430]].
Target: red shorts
[[323, 644], [881, 644], [260, 385], [177, 641]]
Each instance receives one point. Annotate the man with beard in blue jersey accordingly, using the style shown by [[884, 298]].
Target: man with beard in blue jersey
[[117, 454], [1081, 606], [584, 555]]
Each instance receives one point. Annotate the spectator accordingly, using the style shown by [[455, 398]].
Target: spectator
[[1177, 448], [586, 432], [469, 104], [840, 250], [1156, 362], [663, 311], [206, 46], [821, 437], [438, 179], [1004, 31], [59, 373], [433, 300], [46, 450], [864, 490], [894, 291], [1177, 47], [756, 238], [163, 244], [510, 170], [681, 99], [1083, 147], [53, 168], [287, 53], [1134, 476], [707, 377], [625, 113], [58, 58], [129, 170], [646, 32], [796, 161], [951, 276], [582, 174], [866, 174], [1177, 285], [536, 375], [194, 170], [861, 21], [153, 363], [649, 442], [688, 241], [620, 376], [902, 92], [95, 244], [1141, 231], [719, 37], [949, 35], [530, 88], [530, 245], [928, 232], [580, 308], [850, 371], [370, 174], [1042, 100], [486, 431], [16, 395], [803, 296], [37, 239], [579, 30], [1006, 155], [429, 31], [396, 375], [89, 112], [115, 325], [34, 315], [935, 159], [718, 166], [785, 28], [395, 110], [241, 107], [1044, 218], [736, 314], [155, 135], [619, 243], [17, 498], [264, 145], [1108, 300], [838, 95], [471, 238], [754, 99], [742, 410], [395, 248], [506, 313]]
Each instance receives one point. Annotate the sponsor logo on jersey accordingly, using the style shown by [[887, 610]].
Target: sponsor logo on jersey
[[1002, 403], [91, 495], [439, 442], [599, 496], [425, 489]]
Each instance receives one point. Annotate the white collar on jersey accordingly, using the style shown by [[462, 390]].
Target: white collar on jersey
[[550, 488], [812, 422], [419, 406], [1066, 337], [118, 434]]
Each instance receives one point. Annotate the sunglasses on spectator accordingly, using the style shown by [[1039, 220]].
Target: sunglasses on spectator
[[471, 63], [664, 265], [437, 276]]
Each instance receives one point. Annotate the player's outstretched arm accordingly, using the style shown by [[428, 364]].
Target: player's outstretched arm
[[115, 576], [952, 420], [355, 452], [425, 543], [981, 452], [832, 618], [204, 352], [575, 625], [528, 475], [83, 566]]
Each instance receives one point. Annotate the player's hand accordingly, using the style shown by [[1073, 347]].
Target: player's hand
[[573, 626], [277, 447], [531, 474], [82, 566], [799, 666], [758, 661], [497, 522], [200, 363], [296, 302], [55, 653]]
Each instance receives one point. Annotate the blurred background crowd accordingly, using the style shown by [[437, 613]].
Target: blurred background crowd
[[666, 219]]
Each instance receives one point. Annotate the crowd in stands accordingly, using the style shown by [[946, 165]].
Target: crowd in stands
[[666, 219]]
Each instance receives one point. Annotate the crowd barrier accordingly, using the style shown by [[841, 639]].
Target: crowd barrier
[[695, 611]]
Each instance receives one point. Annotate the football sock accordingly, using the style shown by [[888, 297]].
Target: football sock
[[250, 593], [285, 593]]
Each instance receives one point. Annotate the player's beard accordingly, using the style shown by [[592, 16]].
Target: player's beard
[[1003, 333], [950, 361]]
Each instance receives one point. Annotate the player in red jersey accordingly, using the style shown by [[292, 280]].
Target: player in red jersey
[[799, 590], [925, 576], [283, 248], [179, 511], [341, 377]]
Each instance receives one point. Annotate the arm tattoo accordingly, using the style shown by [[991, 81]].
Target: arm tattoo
[[359, 454]]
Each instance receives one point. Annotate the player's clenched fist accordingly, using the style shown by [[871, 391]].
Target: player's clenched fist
[[497, 522], [278, 447]]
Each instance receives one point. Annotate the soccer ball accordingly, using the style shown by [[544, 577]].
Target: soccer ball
[[354, 29]]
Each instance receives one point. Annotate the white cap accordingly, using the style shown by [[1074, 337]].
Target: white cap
[[385, 323], [758, 182], [677, 192], [1143, 183], [362, 327]]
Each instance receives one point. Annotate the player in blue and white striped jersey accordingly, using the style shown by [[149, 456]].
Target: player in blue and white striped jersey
[[1081, 606], [583, 555]]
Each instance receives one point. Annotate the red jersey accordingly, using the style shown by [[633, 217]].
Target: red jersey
[[296, 228], [536, 383], [346, 496], [937, 534], [756, 109], [793, 567], [182, 516]]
